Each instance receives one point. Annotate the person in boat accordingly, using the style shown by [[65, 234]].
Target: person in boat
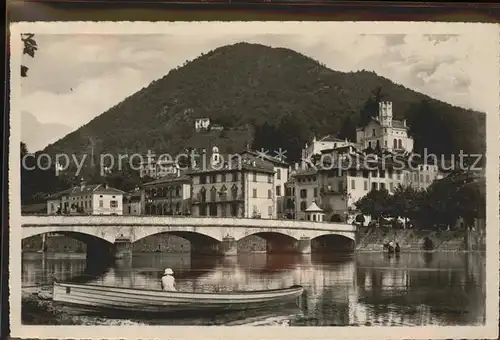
[[168, 280]]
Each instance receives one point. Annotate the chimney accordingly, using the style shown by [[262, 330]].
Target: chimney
[[106, 186], [82, 183], [404, 122]]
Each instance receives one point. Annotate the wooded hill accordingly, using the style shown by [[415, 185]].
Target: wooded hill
[[270, 98]]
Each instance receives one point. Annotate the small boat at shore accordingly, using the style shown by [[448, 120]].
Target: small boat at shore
[[102, 298]]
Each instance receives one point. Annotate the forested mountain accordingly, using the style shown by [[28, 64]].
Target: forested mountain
[[276, 95]]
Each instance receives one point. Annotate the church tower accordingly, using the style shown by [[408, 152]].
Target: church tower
[[385, 113]]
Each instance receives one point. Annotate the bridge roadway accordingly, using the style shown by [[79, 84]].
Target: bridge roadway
[[114, 235]]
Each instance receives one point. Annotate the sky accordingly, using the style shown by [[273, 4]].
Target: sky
[[75, 77]]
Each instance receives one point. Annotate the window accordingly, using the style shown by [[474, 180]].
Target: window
[[269, 193], [389, 174], [395, 144], [255, 177], [385, 143], [278, 174], [382, 186], [400, 144], [382, 174], [353, 184], [374, 186], [269, 179], [270, 211], [421, 178], [223, 177], [365, 185], [234, 209], [213, 194], [101, 203], [427, 178], [288, 191], [213, 209], [234, 192], [177, 191], [303, 193], [235, 176], [374, 133], [203, 179], [254, 193], [278, 190], [203, 210], [303, 205], [213, 179], [391, 187], [374, 173], [315, 192], [314, 217], [341, 186], [203, 194]]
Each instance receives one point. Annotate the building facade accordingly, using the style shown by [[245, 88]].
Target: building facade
[[157, 168], [384, 132], [132, 203], [324, 143], [97, 199], [281, 175], [170, 195], [201, 124], [242, 187]]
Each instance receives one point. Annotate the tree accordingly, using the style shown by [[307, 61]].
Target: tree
[[370, 108], [405, 202], [30, 48], [348, 129], [375, 203]]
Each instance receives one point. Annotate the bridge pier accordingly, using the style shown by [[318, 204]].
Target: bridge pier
[[228, 246], [304, 245], [122, 248]]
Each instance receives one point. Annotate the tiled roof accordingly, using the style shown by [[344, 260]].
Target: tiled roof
[[331, 138], [169, 179], [248, 163], [268, 158], [306, 172], [87, 189]]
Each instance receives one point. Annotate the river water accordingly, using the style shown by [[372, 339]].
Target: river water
[[340, 290]]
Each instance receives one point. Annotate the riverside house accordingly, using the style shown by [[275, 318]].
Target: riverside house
[[241, 187], [169, 195], [94, 199]]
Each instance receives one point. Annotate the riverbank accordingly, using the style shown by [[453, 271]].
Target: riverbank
[[38, 309], [415, 240]]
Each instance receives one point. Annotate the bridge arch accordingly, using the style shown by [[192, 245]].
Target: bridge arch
[[332, 243], [200, 243], [96, 247]]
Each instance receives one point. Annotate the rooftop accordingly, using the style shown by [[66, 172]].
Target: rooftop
[[171, 178], [87, 189]]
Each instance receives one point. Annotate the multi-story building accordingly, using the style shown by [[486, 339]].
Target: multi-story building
[[281, 175], [325, 143], [384, 132], [170, 195], [96, 199], [201, 123], [157, 168], [289, 210], [306, 191], [132, 203], [240, 187]]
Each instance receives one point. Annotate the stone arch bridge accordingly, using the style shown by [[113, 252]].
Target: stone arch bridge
[[113, 235]]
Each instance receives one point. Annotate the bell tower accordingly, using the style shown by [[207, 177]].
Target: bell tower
[[385, 113]]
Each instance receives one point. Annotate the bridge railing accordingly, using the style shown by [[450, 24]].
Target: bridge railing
[[143, 220]]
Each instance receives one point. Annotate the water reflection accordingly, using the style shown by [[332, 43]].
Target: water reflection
[[362, 289]]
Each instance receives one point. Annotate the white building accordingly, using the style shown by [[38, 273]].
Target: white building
[[157, 168], [281, 175], [201, 124], [385, 132], [240, 188], [96, 199], [324, 143]]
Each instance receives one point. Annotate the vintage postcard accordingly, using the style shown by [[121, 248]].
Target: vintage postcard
[[198, 179]]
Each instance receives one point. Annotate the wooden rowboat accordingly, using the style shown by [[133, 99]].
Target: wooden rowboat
[[97, 297]]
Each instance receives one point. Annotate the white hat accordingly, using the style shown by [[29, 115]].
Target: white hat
[[168, 271]]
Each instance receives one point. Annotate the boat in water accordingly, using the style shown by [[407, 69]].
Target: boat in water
[[102, 298]]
